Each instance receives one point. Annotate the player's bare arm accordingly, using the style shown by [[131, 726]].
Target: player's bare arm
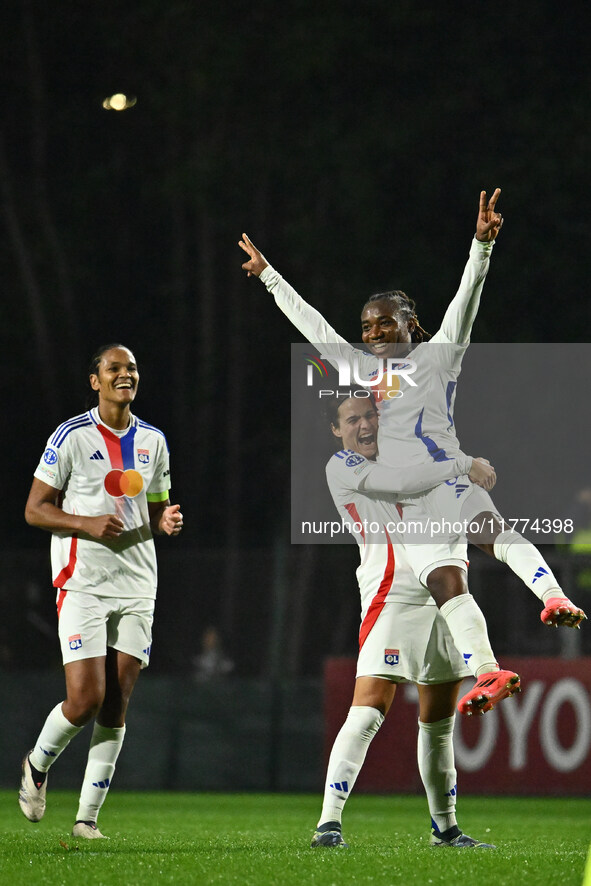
[[489, 221], [257, 261], [482, 473], [43, 512], [165, 519]]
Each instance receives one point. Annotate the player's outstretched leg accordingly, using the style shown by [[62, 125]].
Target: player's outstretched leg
[[561, 611], [526, 562], [489, 689]]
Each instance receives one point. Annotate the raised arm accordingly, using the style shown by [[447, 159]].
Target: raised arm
[[461, 313], [489, 221], [257, 262], [304, 317]]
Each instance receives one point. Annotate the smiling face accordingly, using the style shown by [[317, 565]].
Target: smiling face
[[382, 328], [116, 378], [357, 426]]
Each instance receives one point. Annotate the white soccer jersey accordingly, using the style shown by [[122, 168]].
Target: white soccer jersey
[[104, 471], [372, 516], [416, 421]]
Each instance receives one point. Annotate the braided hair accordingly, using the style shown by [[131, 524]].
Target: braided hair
[[404, 307]]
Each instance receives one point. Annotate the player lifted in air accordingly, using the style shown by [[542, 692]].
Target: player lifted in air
[[417, 427]]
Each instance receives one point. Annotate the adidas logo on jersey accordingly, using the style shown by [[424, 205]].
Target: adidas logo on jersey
[[460, 487], [97, 456]]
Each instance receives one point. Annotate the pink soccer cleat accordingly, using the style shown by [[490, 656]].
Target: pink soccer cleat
[[560, 611], [487, 691]]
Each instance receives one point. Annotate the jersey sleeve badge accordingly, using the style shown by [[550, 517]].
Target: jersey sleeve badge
[[49, 456], [353, 460]]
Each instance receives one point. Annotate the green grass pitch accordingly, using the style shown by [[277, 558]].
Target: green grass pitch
[[260, 839]]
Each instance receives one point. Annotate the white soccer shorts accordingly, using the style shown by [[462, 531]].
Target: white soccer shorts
[[89, 624], [459, 500], [435, 525], [451, 507], [411, 643]]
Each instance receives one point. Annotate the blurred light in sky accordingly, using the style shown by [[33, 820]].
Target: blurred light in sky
[[119, 102]]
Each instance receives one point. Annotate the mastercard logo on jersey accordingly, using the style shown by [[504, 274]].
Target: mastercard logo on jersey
[[119, 483]]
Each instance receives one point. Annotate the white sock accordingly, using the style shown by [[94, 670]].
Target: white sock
[[435, 753], [468, 630], [346, 758], [55, 737], [527, 563], [105, 745]]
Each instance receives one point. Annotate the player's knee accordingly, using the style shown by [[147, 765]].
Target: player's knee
[[483, 531], [445, 583], [82, 705], [381, 702], [112, 713], [503, 542]]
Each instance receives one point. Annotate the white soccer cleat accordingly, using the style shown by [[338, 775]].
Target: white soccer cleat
[[88, 830], [31, 795]]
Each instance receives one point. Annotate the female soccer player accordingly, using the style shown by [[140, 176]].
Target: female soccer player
[[418, 427], [403, 637], [101, 488]]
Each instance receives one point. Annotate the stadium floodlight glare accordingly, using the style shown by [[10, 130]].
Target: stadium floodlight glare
[[119, 102]]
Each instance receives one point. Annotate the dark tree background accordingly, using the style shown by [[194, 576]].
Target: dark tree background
[[350, 140]]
